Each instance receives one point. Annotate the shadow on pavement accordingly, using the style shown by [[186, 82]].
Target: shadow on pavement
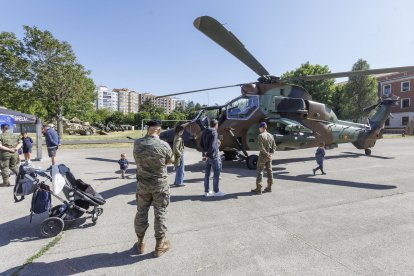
[[371, 156], [347, 154], [70, 266], [324, 181], [21, 230], [107, 160], [201, 197], [126, 189]]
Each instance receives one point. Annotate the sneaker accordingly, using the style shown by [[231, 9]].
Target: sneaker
[[210, 193], [219, 193]]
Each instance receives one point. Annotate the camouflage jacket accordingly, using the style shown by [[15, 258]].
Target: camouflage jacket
[[178, 149], [9, 140], [152, 156], [266, 144]]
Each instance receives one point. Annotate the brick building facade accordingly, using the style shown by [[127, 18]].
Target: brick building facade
[[402, 86]]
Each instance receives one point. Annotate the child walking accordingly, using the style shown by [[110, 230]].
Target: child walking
[[27, 146], [320, 156], [123, 164]]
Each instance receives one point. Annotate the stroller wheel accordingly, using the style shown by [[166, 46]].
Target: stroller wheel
[[51, 227], [99, 211]]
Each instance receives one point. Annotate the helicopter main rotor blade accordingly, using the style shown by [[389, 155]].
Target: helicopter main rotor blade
[[216, 31], [202, 90], [353, 73]]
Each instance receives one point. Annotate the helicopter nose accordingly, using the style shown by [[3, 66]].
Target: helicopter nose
[[167, 135]]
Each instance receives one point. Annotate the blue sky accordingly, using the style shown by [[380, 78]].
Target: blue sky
[[152, 46]]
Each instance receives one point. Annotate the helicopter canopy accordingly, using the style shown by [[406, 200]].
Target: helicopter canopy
[[242, 107]]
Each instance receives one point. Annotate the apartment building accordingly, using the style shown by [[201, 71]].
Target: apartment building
[[402, 86], [106, 99], [128, 100]]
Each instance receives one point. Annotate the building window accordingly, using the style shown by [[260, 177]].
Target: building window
[[386, 90], [387, 122], [405, 86], [405, 103], [404, 121]]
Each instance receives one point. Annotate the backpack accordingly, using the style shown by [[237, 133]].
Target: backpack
[[41, 200], [26, 183]]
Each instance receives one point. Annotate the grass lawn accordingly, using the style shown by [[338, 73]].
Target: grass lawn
[[112, 135]]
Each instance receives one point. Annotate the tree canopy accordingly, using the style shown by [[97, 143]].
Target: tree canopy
[[40, 75], [320, 90]]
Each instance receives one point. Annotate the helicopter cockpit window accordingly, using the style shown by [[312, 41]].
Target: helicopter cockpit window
[[242, 108]]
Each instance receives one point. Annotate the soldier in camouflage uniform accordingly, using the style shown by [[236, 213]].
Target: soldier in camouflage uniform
[[9, 145], [267, 147], [151, 156]]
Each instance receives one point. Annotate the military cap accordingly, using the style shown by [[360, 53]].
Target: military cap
[[153, 123], [263, 124]]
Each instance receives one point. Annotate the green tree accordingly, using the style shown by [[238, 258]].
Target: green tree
[[190, 106], [99, 115], [58, 80], [116, 117], [320, 90], [138, 117], [15, 88], [339, 102], [360, 92], [155, 111], [197, 106]]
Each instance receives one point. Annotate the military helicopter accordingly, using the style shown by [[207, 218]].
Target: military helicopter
[[292, 117]]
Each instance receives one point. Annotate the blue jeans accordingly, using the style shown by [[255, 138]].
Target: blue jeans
[[179, 172], [216, 164]]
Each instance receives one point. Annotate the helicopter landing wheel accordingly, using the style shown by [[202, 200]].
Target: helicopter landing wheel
[[252, 162], [367, 152]]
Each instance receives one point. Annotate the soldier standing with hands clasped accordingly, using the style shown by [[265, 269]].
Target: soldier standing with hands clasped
[[267, 147], [9, 145], [151, 156]]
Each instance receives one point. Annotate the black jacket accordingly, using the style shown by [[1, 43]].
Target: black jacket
[[209, 143]]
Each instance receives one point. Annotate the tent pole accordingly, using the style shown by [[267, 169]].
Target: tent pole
[[39, 139]]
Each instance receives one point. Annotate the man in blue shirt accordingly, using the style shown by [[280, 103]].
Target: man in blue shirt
[[52, 141]]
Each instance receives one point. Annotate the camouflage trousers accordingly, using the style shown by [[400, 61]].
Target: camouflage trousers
[[159, 197], [8, 161], [264, 164]]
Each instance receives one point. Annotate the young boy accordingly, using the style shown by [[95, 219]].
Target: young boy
[[27, 146], [320, 156], [123, 164]]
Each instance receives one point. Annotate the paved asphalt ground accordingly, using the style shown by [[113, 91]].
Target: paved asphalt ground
[[356, 220]]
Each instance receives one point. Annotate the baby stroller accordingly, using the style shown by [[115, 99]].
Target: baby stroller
[[80, 197]]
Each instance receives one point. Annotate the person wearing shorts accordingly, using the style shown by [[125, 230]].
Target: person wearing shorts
[[52, 141]]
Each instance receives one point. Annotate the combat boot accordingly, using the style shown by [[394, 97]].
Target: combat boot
[[5, 183], [258, 189], [161, 246], [141, 245], [268, 189]]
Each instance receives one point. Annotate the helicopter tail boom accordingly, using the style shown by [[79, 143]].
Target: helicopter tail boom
[[367, 138]]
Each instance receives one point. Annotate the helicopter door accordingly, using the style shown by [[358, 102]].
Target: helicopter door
[[243, 107]]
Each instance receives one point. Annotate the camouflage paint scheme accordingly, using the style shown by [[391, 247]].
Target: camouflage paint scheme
[[293, 118]]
